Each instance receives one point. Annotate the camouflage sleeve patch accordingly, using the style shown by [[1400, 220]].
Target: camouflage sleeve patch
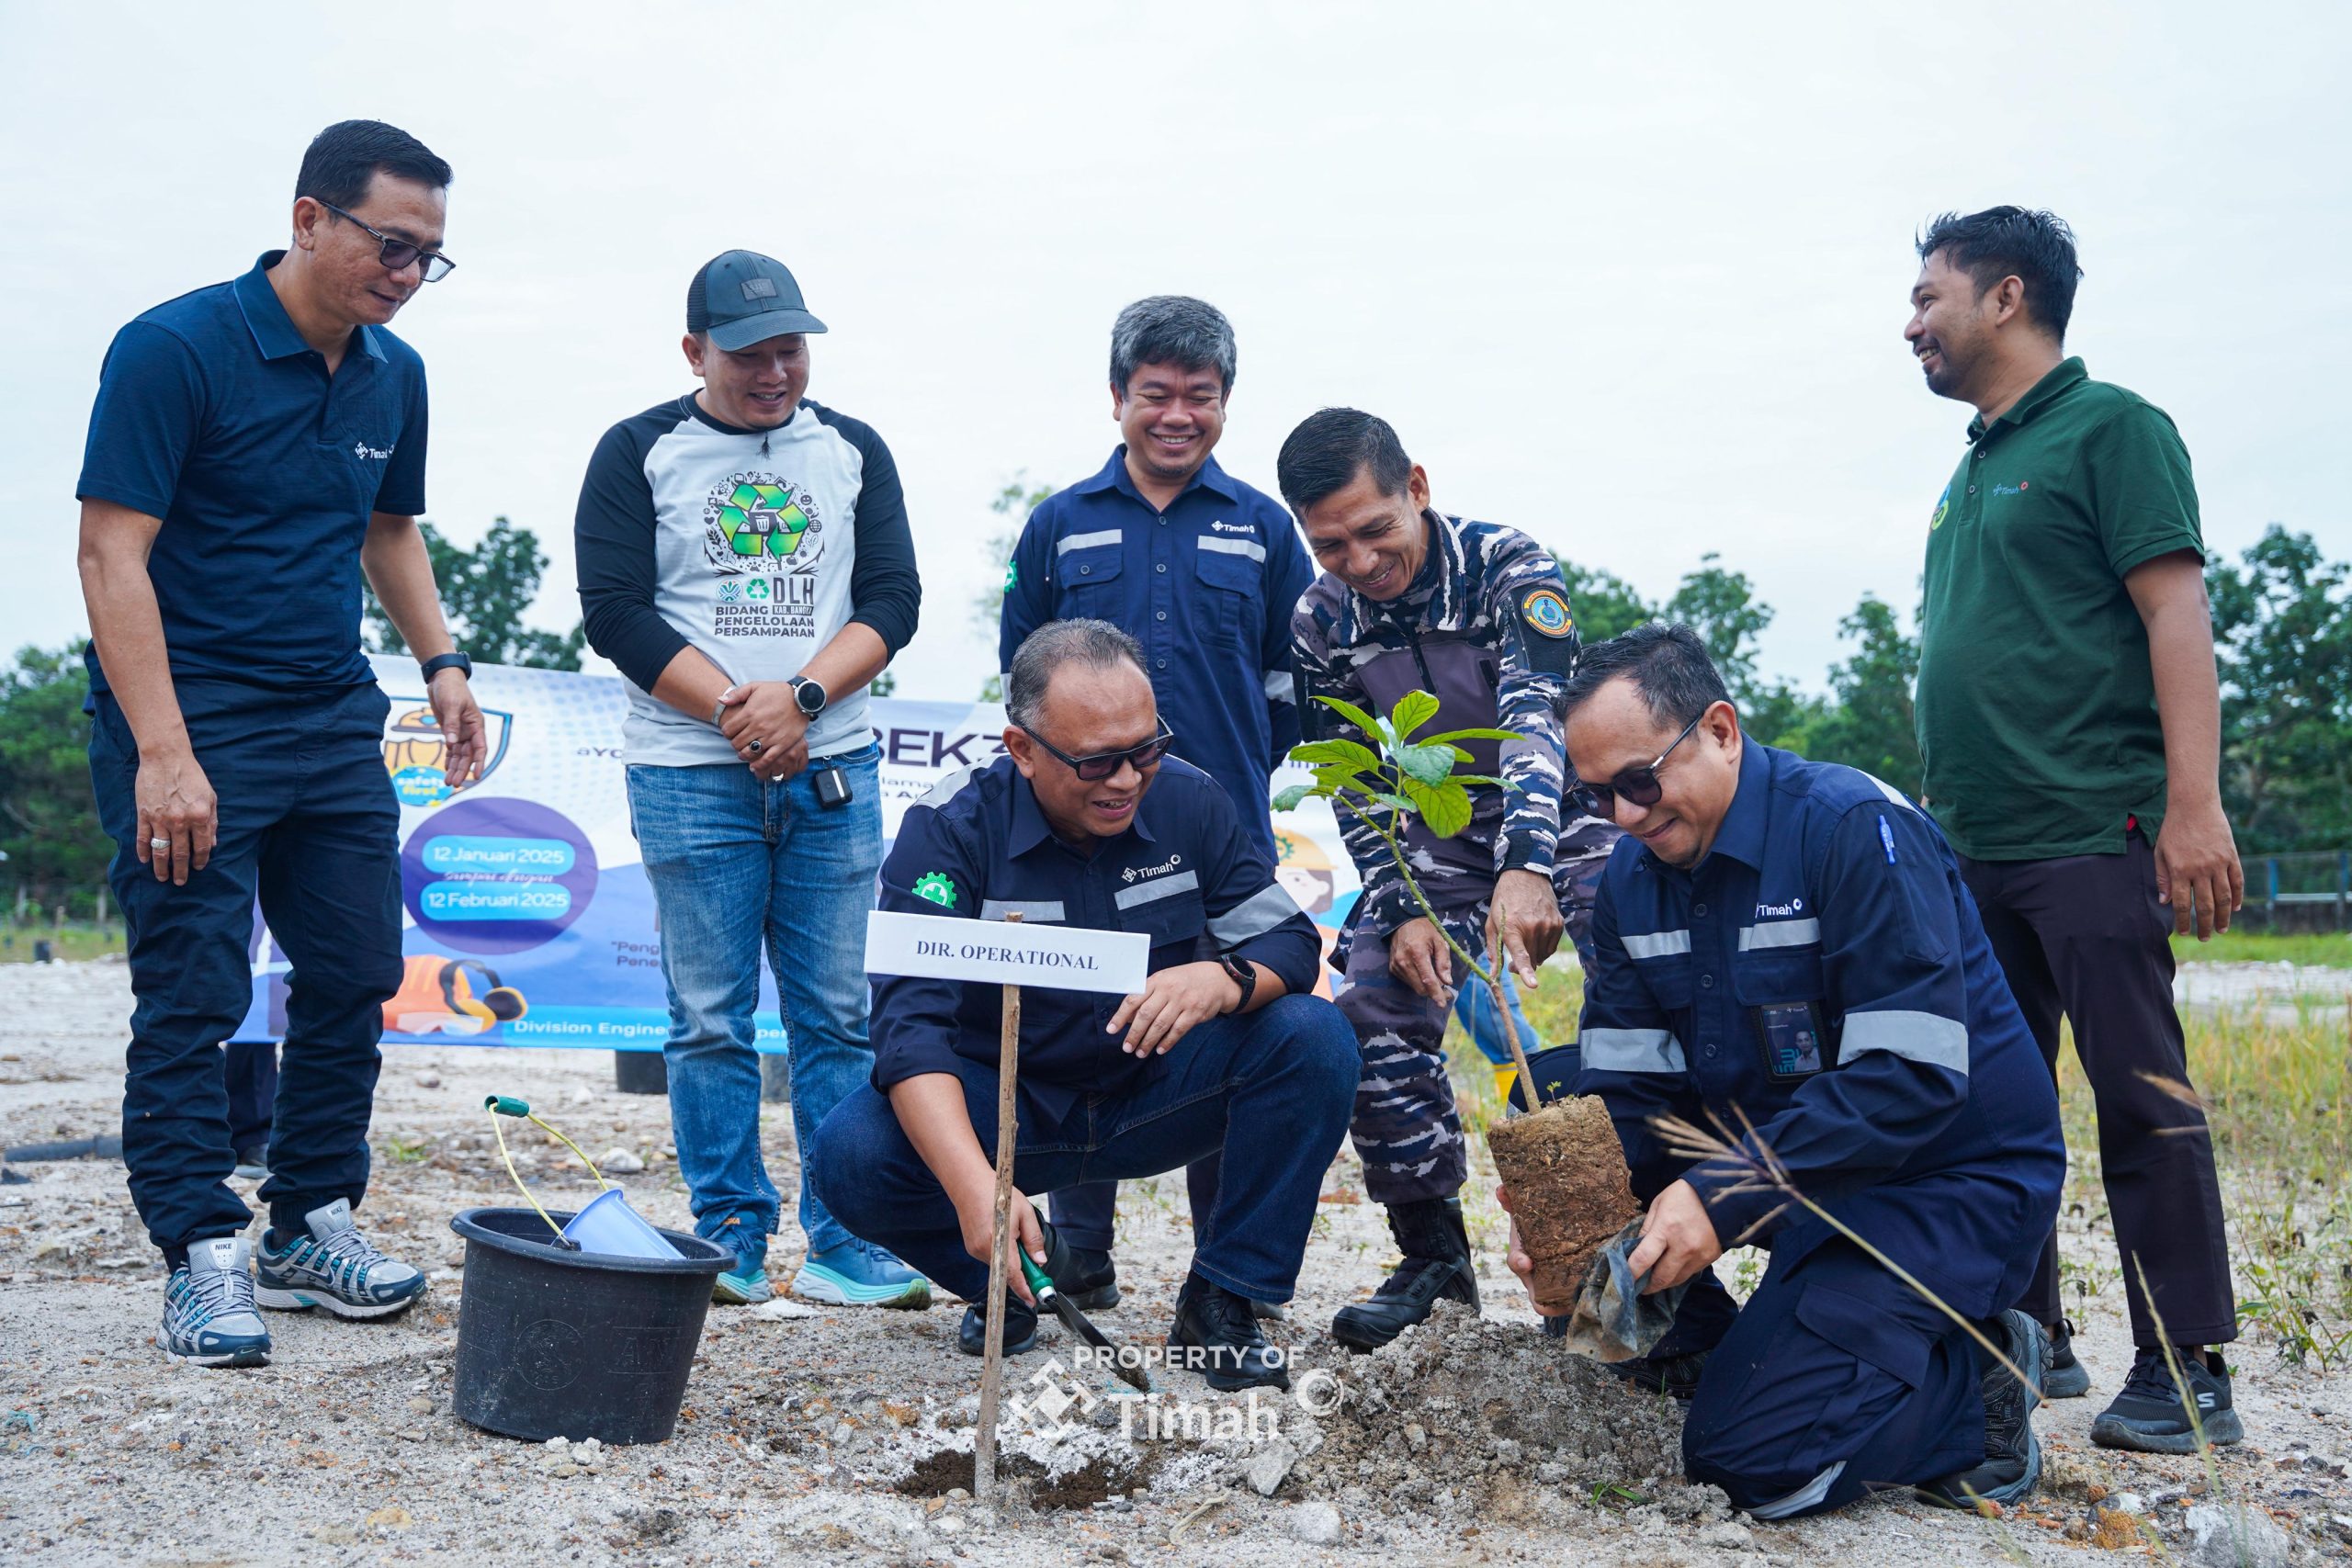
[[1551, 640]]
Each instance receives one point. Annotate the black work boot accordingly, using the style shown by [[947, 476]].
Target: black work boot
[[1437, 1265], [1223, 1326], [2012, 1464], [2150, 1416], [2068, 1378]]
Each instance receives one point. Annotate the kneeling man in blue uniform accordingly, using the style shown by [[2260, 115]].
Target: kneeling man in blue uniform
[[1090, 820], [1786, 946]]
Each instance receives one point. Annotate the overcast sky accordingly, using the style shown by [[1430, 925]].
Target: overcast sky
[[1630, 278]]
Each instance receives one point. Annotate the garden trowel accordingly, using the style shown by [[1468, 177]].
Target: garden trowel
[[1041, 1285]]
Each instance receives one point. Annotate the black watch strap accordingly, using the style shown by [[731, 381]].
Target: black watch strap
[[1245, 975], [440, 661]]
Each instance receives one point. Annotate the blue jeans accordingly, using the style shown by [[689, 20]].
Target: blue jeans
[[1475, 1006], [738, 864], [308, 826], [1272, 1088]]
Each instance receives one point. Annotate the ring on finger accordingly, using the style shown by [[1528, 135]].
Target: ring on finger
[[159, 843], [756, 747]]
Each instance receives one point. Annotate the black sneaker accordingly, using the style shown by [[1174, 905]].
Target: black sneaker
[[1437, 1266], [2068, 1378], [2012, 1465], [1019, 1328], [1093, 1281], [1224, 1327], [1675, 1376], [2149, 1415]]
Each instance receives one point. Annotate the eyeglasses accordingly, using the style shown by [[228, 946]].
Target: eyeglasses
[[1104, 763], [1639, 785], [398, 253]]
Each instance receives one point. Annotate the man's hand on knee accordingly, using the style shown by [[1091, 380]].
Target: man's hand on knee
[[1677, 1239], [1418, 956], [1170, 1003]]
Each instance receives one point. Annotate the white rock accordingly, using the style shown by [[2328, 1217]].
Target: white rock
[[947, 1523], [582, 1095], [619, 1161], [1316, 1524], [428, 1080], [2128, 1503], [1268, 1468], [1728, 1536], [2223, 1537], [778, 1308]]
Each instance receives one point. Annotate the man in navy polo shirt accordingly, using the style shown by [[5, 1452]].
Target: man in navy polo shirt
[[1202, 571], [1089, 821], [256, 447]]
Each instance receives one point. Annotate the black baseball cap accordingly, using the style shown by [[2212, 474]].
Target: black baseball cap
[[741, 297]]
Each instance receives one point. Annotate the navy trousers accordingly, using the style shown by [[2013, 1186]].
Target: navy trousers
[[1271, 1088], [308, 826], [1835, 1380]]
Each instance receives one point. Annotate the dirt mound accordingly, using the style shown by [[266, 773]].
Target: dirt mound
[[1097, 1479], [1463, 1416]]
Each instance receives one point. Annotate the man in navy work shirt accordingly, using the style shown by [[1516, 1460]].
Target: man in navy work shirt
[[1089, 821], [1786, 946], [1201, 569], [256, 447]]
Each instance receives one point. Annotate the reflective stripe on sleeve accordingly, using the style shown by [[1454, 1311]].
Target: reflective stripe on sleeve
[[1924, 1037], [1279, 687], [1631, 1051], [1042, 910], [1780, 933], [1150, 892], [1087, 541], [1259, 913], [1657, 945]]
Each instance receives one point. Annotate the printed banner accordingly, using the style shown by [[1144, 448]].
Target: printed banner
[[526, 915]]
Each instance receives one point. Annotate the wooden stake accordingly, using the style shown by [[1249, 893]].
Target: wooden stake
[[1499, 961], [992, 1364]]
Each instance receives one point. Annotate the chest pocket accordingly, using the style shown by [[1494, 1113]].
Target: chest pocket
[[1233, 584], [1090, 582], [1167, 908], [1784, 1008]]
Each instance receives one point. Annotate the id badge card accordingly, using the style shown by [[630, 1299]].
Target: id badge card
[[1795, 1045]]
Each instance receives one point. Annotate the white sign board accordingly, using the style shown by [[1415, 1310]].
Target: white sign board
[[1063, 958]]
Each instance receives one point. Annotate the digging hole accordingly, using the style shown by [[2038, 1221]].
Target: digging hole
[[1097, 1481]]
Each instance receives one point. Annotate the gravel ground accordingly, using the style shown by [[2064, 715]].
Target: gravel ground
[[833, 1435]]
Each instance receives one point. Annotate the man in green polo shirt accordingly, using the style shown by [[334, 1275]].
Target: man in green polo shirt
[[2069, 721]]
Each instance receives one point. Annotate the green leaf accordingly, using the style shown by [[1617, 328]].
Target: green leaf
[[1399, 801], [1413, 710], [1471, 735], [1351, 713], [1334, 776], [1446, 807], [1317, 752], [1426, 764], [1288, 799]]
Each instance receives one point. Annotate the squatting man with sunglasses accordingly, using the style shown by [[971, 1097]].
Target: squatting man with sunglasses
[[1787, 946], [1089, 819], [1477, 615]]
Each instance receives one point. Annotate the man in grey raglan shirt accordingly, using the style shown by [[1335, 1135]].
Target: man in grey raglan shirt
[[744, 559]]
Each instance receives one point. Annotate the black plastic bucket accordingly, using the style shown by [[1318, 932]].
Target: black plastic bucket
[[557, 1344]]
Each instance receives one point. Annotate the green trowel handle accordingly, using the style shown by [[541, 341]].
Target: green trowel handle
[[507, 1105], [1040, 1282]]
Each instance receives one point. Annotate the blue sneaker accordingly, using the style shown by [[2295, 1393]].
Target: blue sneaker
[[208, 1317], [746, 1284], [336, 1268], [858, 1273]]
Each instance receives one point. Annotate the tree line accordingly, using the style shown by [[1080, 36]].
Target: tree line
[[2282, 628]]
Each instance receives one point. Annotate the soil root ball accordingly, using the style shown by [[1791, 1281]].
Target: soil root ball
[[1569, 1191]]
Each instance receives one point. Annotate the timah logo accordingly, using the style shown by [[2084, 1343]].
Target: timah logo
[[376, 454], [1162, 869]]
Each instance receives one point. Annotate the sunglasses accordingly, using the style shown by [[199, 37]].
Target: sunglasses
[[1639, 785], [398, 253], [1102, 764]]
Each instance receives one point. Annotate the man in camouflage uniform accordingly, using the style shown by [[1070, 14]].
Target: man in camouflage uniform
[[1478, 615]]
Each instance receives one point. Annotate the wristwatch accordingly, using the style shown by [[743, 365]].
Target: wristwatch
[[440, 661], [1245, 975], [809, 694]]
